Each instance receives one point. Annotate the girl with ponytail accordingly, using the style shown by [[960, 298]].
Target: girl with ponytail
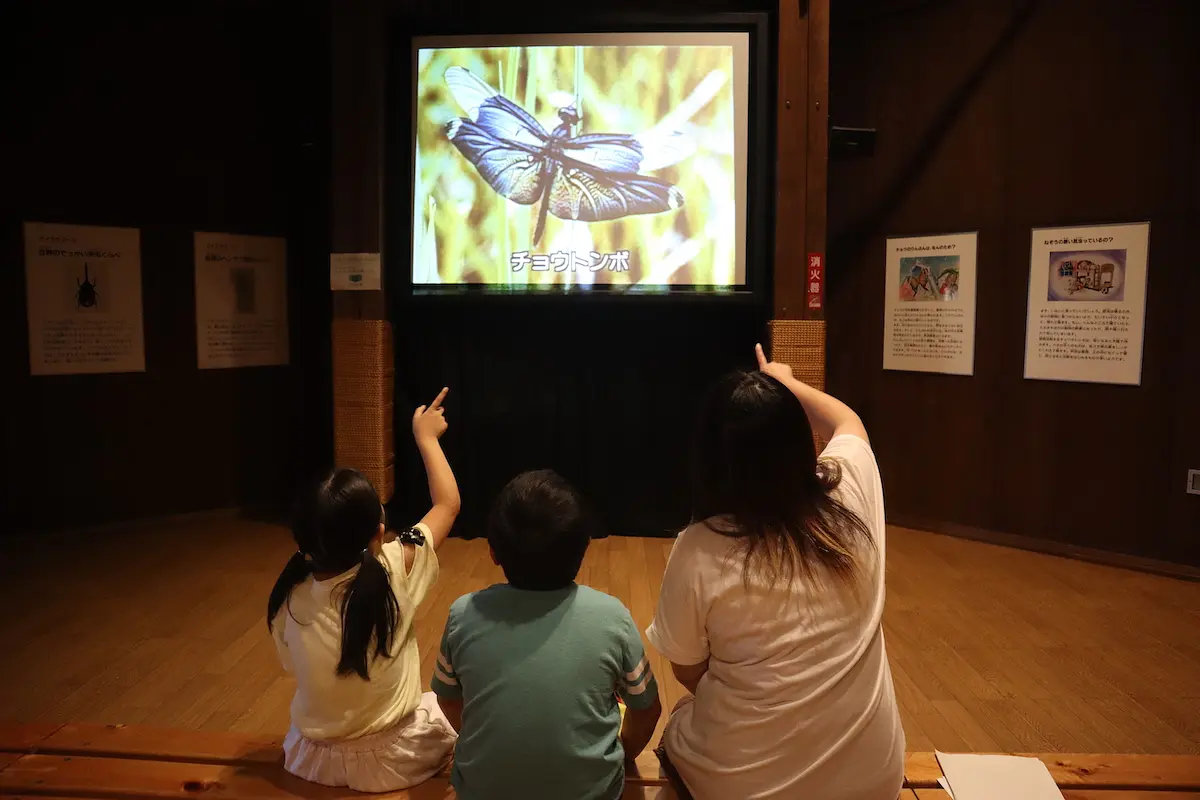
[[341, 614]]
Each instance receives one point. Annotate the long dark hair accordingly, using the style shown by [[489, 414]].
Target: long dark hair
[[333, 528], [756, 478]]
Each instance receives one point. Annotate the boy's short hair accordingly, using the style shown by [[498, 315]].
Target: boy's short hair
[[539, 530]]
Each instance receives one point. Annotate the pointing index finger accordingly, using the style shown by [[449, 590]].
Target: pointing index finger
[[762, 359], [437, 401]]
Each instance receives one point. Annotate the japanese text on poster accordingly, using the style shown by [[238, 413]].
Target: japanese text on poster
[[929, 309], [84, 293], [1087, 302], [355, 272], [241, 300]]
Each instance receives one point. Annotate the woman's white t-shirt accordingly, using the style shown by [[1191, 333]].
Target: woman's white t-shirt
[[798, 698], [308, 635]]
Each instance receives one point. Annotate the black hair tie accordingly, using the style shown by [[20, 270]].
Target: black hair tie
[[411, 536]]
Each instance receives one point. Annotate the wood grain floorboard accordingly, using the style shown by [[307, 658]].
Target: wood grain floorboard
[[992, 648]]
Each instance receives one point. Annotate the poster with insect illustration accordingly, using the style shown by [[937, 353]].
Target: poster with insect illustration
[[83, 290], [241, 300], [579, 160], [929, 309]]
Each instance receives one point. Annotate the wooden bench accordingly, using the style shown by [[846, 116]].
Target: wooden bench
[[1083, 776], [117, 761]]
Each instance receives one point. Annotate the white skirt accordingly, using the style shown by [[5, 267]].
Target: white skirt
[[408, 753]]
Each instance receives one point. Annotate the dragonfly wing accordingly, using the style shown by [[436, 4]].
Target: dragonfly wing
[[619, 152], [494, 112], [611, 152], [662, 147], [592, 196], [468, 89], [512, 171], [506, 120]]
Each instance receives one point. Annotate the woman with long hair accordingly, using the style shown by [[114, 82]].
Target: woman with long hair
[[771, 605]]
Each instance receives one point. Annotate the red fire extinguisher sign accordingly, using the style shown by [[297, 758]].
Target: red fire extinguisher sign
[[815, 281]]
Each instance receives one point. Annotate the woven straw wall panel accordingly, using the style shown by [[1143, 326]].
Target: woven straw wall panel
[[800, 343], [363, 386]]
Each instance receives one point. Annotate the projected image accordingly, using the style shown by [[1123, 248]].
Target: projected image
[[578, 165]]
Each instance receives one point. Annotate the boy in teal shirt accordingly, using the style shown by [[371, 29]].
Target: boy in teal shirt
[[529, 671]]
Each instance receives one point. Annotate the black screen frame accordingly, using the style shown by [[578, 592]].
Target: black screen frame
[[397, 154]]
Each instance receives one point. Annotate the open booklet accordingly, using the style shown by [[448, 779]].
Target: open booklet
[[970, 776]]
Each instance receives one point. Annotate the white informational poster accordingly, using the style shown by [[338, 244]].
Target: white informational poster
[[354, 272], [1087, 303], [83, 287], [929, 310], [241, 300]]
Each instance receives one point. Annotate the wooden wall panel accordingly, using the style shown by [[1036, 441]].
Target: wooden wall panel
[[999, 116], [172, 120]]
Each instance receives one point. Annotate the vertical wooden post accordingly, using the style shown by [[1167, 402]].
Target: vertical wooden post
[[798, 331], [816, 151], [791, 160], [363, 364]]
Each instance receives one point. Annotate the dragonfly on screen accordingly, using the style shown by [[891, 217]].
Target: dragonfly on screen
[[592, 177]]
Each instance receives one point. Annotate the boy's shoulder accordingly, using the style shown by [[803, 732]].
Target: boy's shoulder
[[474, 602], [592, 601], [465, 602], [603, 612], [600, 601]]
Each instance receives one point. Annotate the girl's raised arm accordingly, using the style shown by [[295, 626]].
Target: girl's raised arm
[[828, 416], [429, 423]]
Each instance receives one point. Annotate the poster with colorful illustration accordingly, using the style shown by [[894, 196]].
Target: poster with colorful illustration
[[1086, 276], [241, 300], [930, 304], [1087, 302], [83, 287]]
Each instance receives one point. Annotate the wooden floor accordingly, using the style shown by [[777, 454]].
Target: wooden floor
[[991, 649]]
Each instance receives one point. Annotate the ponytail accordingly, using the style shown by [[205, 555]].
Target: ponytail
[[297, 569], [369, 611]]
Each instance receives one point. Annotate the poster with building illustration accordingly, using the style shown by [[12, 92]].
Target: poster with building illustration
[[1087, 301], [1086, 276], [83, 288], [930, 304], [241, 300]]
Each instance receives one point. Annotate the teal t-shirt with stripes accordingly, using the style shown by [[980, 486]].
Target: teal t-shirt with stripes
[[539, 674]]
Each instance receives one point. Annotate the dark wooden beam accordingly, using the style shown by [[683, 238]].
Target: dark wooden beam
[[817, 146], [357, 111], [791, 160]]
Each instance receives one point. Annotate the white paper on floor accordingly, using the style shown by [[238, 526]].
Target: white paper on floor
[[988, 777]]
